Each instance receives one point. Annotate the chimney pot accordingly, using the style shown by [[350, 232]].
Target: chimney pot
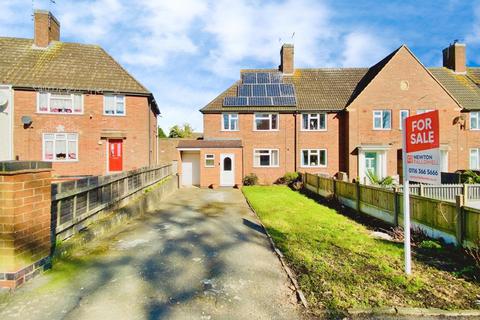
[[46, 28], [454, 57], [286, 59]]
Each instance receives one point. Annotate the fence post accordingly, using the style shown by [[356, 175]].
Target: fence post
[[334, 188], [465, 193], [422, 191], [460, 226], [396, 206], [357, 189], [318, 184]]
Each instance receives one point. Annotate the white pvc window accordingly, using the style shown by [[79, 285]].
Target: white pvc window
[[209, 160], [421, 111], [230, 121], [314, 121], [60, 147], [382, 119], [265, 158], [69, 103], [475, 159], [403, 114], [266, 121], [114, 105], [475, 120], [314, 158]]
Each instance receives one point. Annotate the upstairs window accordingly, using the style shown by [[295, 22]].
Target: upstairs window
[[230, 122], [314, 121], [114, 105], [266, 121], [382, 119], [403, 114], [421, 111], [71, 103], [475, 120], [60, 147]]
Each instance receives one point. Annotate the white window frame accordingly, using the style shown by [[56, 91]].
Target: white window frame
[[422, 111], [311, 151], [230, 117], [474, 166], [256, 164], [313, 116], [400, 125], [54, 144], [265, 118], [475, 117], [49, 95], [115, 96], [375, 115], [209, 156]]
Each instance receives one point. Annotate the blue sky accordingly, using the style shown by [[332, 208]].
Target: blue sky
[[188, 51]]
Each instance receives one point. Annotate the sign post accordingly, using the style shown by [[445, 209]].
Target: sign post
[[421, 163]]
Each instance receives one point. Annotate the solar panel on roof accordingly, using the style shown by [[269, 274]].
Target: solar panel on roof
[[245, 90], [235, 101], [286, 89], [275, 77], [263, 77], [258, 90], [260, 101], [249, 77], [273, 90], [284, 101]]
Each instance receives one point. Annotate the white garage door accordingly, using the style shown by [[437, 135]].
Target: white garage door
[[190, 168]]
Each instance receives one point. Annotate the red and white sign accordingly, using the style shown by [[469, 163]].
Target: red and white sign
[[422, 142]]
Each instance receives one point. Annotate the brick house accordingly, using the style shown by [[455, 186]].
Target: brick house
[[72, 104], [336, 120]]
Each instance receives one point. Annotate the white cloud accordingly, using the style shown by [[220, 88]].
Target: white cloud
[[363, 49]]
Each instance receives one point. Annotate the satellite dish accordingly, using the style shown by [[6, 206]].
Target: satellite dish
[[3, 101], [26, 120]]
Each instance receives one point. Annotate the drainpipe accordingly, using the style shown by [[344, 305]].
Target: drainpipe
[[149, 135], [295, 141]]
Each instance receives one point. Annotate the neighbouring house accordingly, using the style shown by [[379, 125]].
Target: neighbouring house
[[167, 147], [334, 120], [72, 104]]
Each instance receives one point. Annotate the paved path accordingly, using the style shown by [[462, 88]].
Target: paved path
[[202, 256]]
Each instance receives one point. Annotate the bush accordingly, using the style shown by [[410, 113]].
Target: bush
[[250, 180], [430, 244], [289, 178]]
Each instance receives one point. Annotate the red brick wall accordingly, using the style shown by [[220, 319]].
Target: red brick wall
[[385, 92], [283, 140], [24, 220], [211, 175], [92, 149]]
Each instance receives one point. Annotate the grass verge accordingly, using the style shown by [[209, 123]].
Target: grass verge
[[340, 266]]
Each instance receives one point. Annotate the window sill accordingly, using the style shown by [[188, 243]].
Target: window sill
[[223, 130], [61, 113], [61, 161], [266, 167], [274, 130], [316, 130], [302, 166], [114, 115], [379, 129]]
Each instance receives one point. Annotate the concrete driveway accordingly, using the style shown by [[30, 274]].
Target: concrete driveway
[[201, 256]]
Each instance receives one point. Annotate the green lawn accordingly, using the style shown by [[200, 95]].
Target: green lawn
[[339, 265]]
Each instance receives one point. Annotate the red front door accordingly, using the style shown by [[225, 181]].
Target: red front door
[[115, 155]]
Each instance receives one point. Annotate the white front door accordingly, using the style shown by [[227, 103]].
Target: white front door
[[227, 170], [190, 168], [6, 130]]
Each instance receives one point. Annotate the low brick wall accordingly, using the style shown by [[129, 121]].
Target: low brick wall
[[24, 220]]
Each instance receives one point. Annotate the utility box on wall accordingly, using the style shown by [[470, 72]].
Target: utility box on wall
[[25, 235]]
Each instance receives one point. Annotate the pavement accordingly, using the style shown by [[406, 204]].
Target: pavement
[[202, 255]]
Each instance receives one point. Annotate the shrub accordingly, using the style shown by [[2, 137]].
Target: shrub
[[250, 180], [430, 244], [288, 178]]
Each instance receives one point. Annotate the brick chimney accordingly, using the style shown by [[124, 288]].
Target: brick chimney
[[454, 57], [46, 28], [286, 59]]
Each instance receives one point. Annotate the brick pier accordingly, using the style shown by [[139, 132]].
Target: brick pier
[[25, 200]]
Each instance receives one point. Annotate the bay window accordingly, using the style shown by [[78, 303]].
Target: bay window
[[114, 105], [266, 121], [314, 158], [265, 158], [230, 122], [314, 121], [59, 147], [48, 102], [382, 119]]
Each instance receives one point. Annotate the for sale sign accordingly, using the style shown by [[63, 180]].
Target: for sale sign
[[422, 141]]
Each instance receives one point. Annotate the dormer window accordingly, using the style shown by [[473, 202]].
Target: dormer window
[[70, 103], [114, 105]]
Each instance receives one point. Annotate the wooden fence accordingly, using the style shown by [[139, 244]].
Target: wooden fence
[[75, 201], [453, 222]]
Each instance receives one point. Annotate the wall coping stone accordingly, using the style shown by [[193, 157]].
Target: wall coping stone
[[14, 166]]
